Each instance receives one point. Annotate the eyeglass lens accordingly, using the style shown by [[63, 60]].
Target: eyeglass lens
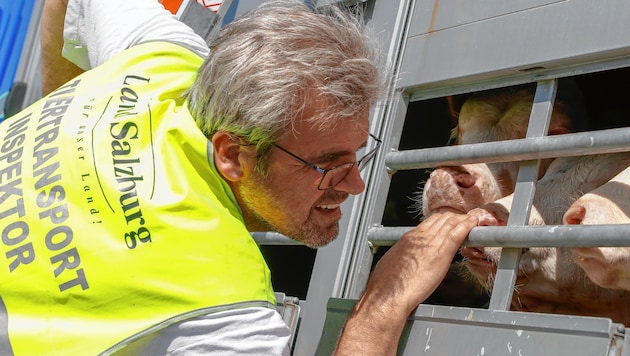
[[337, 174]]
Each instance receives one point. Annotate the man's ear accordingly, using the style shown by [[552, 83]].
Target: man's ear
[[231, 157]]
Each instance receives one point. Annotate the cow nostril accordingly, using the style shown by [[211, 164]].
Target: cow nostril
[[465, 181]]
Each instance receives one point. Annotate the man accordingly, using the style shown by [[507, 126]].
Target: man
[[130, 191]]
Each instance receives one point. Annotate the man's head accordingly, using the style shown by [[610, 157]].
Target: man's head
[[304, 80]]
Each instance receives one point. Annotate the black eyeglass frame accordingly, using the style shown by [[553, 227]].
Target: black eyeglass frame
[[362, 163]]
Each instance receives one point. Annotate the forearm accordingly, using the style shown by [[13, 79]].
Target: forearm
[[377, 320], [403, 278], [373, 328], [56, 70]]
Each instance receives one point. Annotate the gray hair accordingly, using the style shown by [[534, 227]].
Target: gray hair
[[264, 68]]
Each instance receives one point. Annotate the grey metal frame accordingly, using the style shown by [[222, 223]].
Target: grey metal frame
[[438, 49], [456, 46], [442, 330]]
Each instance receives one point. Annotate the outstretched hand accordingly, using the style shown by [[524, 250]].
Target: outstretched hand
[[403, 278]]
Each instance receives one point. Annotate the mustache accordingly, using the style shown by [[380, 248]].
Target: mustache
[[332, 196]]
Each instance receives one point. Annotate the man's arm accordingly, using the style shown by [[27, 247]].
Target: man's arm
[[89, 32], [56, 70], [403, 278]]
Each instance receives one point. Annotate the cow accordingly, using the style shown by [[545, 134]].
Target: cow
[[547, 279], [495, 115], [608, 267]]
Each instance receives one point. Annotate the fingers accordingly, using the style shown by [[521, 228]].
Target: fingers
[[438, 220], [448, 226], [413, 268]]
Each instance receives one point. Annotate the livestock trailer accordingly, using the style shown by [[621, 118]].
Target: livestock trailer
[[449, 48]]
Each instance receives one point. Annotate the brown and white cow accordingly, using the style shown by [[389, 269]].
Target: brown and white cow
[[548, 280], [608, 267], [495, 115]]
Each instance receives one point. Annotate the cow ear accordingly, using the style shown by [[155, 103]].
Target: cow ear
[[561, 123], [574, 215], [454, 106], [232, 157]]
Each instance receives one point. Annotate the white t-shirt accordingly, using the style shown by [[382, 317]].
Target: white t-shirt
[[94, 30]]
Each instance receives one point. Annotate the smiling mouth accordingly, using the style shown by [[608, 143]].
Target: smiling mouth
[[328, 206]]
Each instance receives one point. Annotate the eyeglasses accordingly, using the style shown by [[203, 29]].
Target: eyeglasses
[[334, 175]]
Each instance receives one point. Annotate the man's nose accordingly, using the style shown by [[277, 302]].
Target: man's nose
[[352, 183]]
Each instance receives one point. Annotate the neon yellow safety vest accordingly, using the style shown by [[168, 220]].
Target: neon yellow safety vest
[[113, 218]]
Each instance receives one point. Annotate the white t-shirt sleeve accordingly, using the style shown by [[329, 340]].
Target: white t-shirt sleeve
[[250, 331], [95, 30], [254, 331]]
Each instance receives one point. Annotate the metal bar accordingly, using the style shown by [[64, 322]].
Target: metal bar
[[574, 144], [507, 270], [341, 269], [609, 235], [218, 21]]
